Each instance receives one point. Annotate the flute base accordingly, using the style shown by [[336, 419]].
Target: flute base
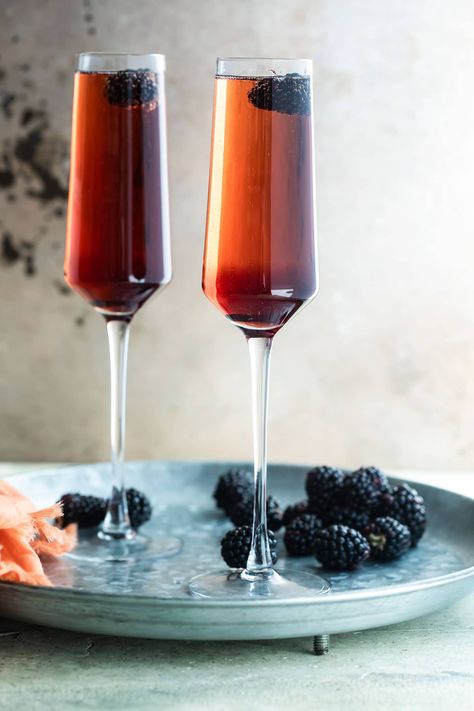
[[236, 585], [97, 547]]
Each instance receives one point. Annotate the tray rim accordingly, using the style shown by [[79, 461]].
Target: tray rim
[[153, 600]]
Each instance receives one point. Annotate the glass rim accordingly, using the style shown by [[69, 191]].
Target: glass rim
[[247, 67], [120, 54], [87, 62], [264, 59]]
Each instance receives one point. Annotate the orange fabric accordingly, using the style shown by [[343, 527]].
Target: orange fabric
[[25, 533]]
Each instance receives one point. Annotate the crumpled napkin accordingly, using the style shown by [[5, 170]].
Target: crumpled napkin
[[25, 534]]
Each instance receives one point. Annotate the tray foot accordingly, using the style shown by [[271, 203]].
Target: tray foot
[[321, 644]]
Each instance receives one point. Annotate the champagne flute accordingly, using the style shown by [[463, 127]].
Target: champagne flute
[[260, 260], [118, 243]]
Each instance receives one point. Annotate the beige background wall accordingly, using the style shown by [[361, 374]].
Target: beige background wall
[[381, 367]]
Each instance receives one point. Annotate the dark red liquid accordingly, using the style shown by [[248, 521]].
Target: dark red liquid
[[259, 262], [117, 250]]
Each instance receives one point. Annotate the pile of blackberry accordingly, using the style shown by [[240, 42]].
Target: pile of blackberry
[[348, 517], [362, 516], [89, 511], [234, 494]]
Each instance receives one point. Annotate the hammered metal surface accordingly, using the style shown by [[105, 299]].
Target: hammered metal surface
[[183, 505], [181, 493]]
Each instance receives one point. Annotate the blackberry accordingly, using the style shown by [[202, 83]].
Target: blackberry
[[324, 487], [388, 539], [233, 486], [294, 510], [363, 489], [241, 514], [235, 546], [86, 511], [139, 508], [348, 517], [288, 94], [340, 547], [407, 506], [131, 88], [300, 534]]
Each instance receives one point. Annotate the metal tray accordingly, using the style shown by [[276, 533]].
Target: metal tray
[[151, 600]]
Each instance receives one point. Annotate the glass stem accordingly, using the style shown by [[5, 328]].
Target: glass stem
[[259, 564], [117, 522]]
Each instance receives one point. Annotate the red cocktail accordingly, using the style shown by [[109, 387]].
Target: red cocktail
[[259, 264], [260, 259], [117, 249], [117, 252]]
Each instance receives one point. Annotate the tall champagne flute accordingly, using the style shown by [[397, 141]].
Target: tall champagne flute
[[260, 258], [118, 243]]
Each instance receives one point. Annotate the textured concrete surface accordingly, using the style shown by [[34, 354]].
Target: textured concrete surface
[[380, 367], [424, 664]]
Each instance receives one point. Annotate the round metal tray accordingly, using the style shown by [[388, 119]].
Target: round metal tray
[[151, 599]]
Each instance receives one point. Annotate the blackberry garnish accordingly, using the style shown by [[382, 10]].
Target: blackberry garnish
[[363, 488], [235, 546], [86, 511], [388, 538], [300, 534], [131, 88], [407, 506], [288, 94], [233, 486], [324, 487], [241, 513], [291, 512], [340, 547], [348, 517], [139, 508]]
